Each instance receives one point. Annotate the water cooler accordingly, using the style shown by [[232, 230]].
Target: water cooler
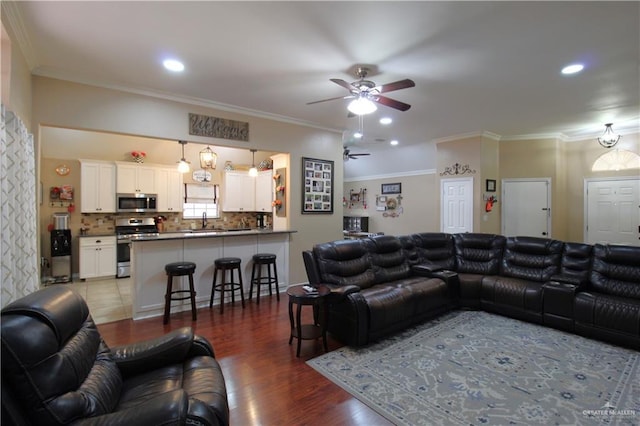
[[61, 248]]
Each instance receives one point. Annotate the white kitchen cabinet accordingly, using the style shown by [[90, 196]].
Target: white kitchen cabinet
[[244, 193], [238, 192], [169, 189], [97, 257], [97, 187], [264, 191], [132, 178]]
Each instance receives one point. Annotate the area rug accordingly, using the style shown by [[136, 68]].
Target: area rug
[[476, 368]]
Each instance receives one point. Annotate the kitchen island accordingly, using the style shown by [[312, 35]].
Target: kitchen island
[[151, 252]]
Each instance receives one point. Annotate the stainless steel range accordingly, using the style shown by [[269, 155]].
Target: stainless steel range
[[125, 229]]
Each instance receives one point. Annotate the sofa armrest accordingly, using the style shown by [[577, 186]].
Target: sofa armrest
[[564, 279], [154, 353], [167, 408], [425, 269], [339, 292], [201, 347]]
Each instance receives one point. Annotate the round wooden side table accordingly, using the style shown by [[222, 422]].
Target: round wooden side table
[[299, 296]]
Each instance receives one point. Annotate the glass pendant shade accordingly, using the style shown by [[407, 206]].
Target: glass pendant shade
[[362, 106], [253, 171], [183, 164]]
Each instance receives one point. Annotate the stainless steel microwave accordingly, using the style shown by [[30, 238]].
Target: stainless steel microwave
[[137, 203]]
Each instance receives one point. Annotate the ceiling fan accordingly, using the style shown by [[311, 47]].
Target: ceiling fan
[[346, 154], [367, 90]]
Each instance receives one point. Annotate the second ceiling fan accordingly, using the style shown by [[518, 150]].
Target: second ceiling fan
[[364, 91]]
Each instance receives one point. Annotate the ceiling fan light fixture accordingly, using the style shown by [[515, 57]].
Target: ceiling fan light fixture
[[608, 138], [362, 106]]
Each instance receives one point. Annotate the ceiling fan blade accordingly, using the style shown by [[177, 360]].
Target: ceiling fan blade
[[356, 155], [330, 99], [342, 83], [396, 85], [392, 103]]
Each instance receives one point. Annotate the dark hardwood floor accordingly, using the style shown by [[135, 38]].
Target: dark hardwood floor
[[266, 383]]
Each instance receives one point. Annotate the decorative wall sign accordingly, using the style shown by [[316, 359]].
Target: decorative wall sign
[[491, 185], [317, 186], [214, 127], [457, 169], [391, 188]]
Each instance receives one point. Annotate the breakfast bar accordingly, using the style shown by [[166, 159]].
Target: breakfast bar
[[150, 253]]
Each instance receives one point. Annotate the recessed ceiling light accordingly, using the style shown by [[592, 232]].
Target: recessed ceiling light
[[386, 120], [173, 65], [572, 69], [393, 142], [357, 135]]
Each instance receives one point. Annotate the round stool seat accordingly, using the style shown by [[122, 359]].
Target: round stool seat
[[264, 257], [180, 268], [226, 262]]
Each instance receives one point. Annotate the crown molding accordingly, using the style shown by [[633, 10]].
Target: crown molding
[[189, 100], [480, 134], [12, 17], [392, 175]]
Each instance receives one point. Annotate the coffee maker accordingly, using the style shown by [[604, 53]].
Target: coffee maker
[[61, 248], [260, 220]]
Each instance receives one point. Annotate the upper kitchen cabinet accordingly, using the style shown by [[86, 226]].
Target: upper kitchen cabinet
[[264, 191], [97, 187], [169, 189], [135, 178], [244, 193]]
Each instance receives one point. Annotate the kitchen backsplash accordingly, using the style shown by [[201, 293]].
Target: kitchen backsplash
[[101, 224]]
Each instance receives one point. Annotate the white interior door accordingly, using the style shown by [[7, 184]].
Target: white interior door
[[612, 213], [457, 205], [526, 207]]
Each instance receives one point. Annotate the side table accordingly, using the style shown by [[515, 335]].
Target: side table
[[299, 296]]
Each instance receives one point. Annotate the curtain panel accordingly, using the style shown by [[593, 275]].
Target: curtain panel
[[18, 220]]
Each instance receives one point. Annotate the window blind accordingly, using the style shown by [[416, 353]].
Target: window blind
[[198, 193]]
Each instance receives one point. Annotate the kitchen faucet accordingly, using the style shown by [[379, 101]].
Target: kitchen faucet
[[204, 220]]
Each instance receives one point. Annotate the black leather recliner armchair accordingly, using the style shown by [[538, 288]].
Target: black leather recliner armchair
[[57, 369]]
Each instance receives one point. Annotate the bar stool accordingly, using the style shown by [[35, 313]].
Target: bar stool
[[178, 269], [260, 260], [223, 265]]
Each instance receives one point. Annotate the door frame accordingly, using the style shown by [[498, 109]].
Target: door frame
[[471, 199], [549, 207], [585, 200]]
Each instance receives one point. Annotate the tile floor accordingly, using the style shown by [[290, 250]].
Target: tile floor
[[108, 300]]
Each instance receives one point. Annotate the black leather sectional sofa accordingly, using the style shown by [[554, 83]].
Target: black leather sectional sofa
[[382, 284]]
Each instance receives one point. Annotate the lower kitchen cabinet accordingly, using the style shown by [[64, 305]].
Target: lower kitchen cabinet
[[97, 257]]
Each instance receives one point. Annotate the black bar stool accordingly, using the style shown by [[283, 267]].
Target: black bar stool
[[178, 269], [260, 260], [223, 265]]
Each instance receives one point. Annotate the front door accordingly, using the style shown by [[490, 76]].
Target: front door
[[612, 213], [456, 214], [526, 209]]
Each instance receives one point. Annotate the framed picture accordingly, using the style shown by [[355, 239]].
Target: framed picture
[[491, 185], [317, 185], [391, 188]]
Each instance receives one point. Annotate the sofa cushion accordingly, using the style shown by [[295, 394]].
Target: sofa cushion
[[575, 264], [531, 258], [608, 312], [436, 248], [344, 262], [387, 258], [616, 270]]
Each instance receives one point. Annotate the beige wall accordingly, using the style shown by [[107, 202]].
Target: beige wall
[[419, 203], [76, 106], [16, 80]]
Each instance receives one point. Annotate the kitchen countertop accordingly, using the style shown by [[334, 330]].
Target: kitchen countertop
[[204, 233], [97, 235]]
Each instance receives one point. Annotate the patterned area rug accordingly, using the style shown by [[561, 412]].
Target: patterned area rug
[[476, 368]]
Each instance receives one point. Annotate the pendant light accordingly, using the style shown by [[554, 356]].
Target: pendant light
[[208, 159], [253, 171], [183, 164], [608, 138]]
